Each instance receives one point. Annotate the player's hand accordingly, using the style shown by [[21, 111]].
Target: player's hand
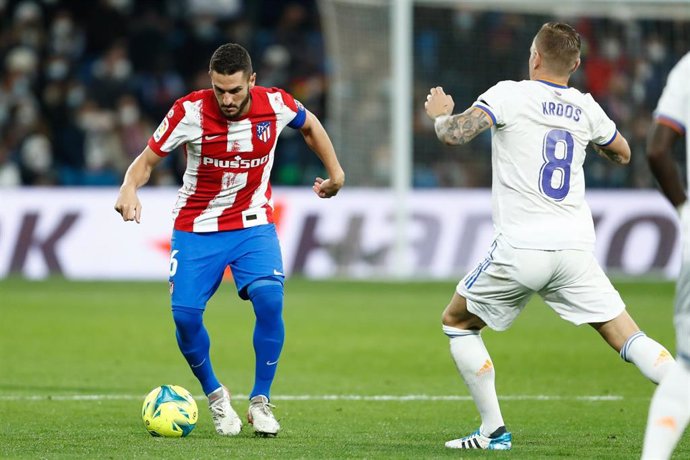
[[326, 188], [438, 103], [129, 206]]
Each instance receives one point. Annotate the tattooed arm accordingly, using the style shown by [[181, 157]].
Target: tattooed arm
[[617, 151], [460, 129], [454, 129]]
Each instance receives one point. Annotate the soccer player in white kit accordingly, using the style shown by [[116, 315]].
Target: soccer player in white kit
[[544, 233], [669, 412]]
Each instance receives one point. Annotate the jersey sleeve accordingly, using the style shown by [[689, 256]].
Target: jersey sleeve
[[674, 105], [493, 102], [603, 129], [294, 110], [172, 132]]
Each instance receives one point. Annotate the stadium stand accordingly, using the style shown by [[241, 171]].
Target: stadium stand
[[84, 83]]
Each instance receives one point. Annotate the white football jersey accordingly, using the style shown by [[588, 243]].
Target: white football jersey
[[674, 105], [539, 137]]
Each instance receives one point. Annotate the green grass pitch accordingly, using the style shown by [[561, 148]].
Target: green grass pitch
[[365, 373]]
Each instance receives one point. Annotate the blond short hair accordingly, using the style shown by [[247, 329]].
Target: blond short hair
[[559, 46]]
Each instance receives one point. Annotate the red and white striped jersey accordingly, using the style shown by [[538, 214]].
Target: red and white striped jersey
[[226, 183]]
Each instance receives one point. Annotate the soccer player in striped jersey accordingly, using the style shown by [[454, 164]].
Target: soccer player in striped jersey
[[544, 233], [669, 411], [224, 216]]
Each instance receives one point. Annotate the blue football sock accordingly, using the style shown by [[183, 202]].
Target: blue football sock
[[269, 332], [194, 343]]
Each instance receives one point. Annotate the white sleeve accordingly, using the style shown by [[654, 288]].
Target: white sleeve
[[603, 129], [180, 125], [493, 100], [674, 104]]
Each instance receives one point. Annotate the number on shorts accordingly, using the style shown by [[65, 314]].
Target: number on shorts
[[173, 262]]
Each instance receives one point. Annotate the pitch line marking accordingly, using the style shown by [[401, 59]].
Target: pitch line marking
[[395, 398]]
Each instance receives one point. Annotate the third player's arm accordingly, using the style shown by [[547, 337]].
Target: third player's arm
[[462, 128], [617, 151], [663, 166], [318, 141]]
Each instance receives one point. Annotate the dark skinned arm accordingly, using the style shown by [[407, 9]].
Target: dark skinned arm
[[664, 168]]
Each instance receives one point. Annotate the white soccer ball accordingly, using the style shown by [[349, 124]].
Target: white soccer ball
[[169, 411]]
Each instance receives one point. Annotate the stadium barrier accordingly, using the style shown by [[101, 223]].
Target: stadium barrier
[[75, 233]]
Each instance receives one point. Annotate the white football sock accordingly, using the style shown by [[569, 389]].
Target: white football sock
[[650, 357], [475, 366], [669, 414]]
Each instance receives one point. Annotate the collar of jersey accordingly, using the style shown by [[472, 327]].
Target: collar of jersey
[[550, 83]]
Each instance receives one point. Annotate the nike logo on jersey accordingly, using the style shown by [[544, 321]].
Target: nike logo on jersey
[[277, 273], [210, 138]]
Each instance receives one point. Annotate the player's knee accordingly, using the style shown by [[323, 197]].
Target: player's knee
[[448, 319], [188, 321], [459, 317], [266, 297]]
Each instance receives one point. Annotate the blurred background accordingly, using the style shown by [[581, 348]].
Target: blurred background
[[83, 84]]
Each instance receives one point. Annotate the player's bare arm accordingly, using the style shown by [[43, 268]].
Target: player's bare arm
[[663, 165], [137, 175], [617, 151], [454, 129], [318, 141], [462, 128]]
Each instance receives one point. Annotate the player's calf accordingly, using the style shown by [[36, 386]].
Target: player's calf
[[650, 357]]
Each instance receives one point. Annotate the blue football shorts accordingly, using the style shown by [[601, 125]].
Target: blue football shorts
[[198, 261]]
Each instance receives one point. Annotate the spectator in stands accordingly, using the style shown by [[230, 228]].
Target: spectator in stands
[[60, 59]]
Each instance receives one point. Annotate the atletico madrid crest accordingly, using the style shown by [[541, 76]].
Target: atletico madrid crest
[[263, 130]]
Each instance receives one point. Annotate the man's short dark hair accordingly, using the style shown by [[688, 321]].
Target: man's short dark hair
[[231, 58]]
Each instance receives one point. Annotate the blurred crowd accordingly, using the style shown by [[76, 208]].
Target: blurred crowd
[[624, 66], [83, 83]]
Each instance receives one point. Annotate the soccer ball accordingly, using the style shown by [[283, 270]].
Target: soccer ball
[[169, 411]]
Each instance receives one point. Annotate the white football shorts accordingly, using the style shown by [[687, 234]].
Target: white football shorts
[[570, 281]]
